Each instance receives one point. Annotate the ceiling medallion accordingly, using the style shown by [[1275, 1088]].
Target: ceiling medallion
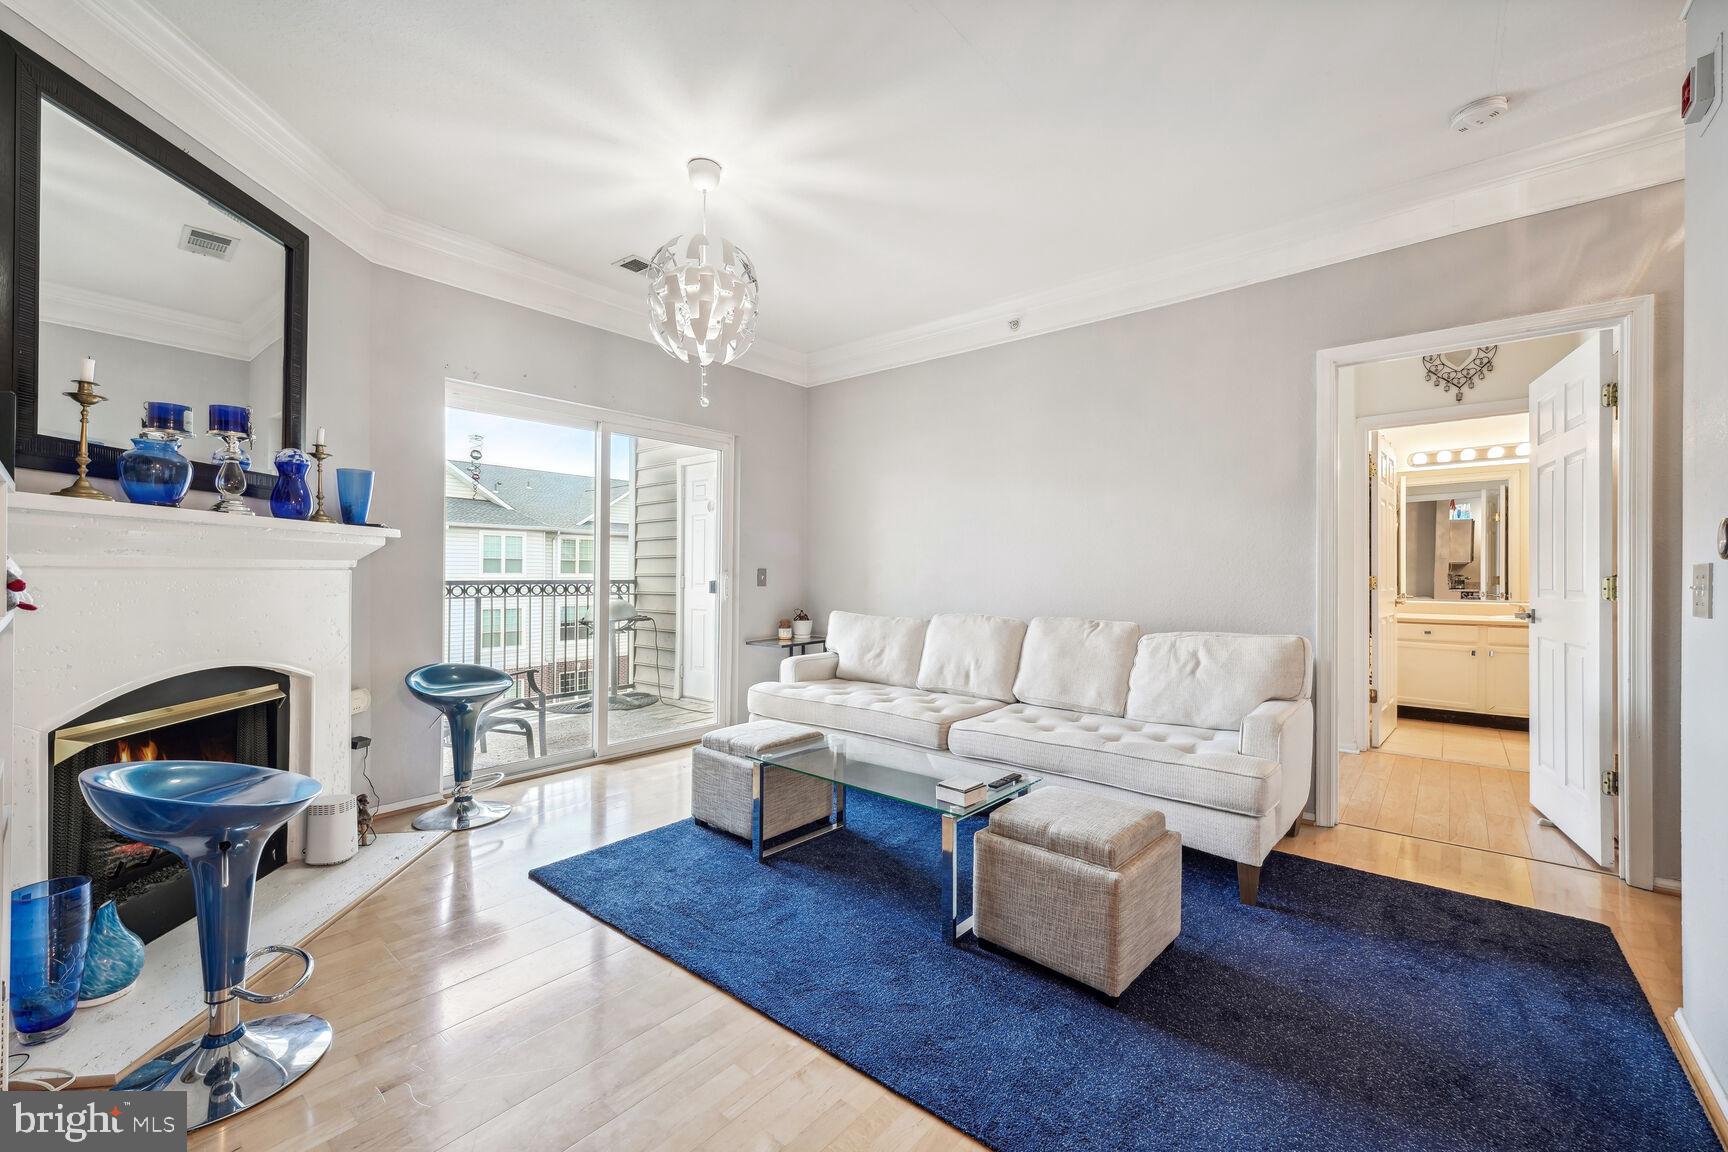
[[1459, 370], [702, 290]]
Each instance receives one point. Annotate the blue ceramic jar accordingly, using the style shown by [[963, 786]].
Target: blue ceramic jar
[[154, 471], [113, 958]]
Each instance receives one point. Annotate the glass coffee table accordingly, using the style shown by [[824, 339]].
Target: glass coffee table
[[897, 772]]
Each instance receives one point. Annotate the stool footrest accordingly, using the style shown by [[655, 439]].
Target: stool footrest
[[250, 996]]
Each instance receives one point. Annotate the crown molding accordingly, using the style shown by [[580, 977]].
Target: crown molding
[[133, 46], [1625, 157], [130, 43], [140, 320]]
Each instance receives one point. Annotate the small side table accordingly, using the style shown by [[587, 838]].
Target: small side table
[[791, 647]]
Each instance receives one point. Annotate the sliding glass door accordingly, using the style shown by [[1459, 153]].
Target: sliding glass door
[[604, 601]]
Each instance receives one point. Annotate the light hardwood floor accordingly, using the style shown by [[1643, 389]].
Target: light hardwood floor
[[474, 1010], [1455, 784]]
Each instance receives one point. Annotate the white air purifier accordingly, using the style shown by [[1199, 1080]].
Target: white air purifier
[[332, 829]]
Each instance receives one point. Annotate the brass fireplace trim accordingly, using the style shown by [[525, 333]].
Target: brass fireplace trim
[[68, 742]]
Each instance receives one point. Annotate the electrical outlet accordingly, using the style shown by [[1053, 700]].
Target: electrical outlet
[[1701, 589], [761, 577]]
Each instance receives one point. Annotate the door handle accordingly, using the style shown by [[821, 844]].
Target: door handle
[[1528, 615]]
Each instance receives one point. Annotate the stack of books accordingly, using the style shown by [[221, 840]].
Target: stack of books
[[960, 792]]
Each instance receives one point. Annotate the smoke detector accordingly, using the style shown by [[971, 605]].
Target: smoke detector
[[1479, 114], [206, 243]]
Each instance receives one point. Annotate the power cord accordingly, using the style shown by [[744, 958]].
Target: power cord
[[368, 833]]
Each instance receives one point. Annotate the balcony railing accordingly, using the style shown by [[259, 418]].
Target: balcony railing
[[540, 626]]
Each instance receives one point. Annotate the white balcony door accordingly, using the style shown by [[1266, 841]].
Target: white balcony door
[[699, 595], [1572, 631]]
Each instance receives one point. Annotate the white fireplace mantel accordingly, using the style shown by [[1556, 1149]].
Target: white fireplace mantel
[[130, 595]]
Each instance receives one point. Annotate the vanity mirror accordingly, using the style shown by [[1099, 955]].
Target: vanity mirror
[[118, 247], [1455, 540]]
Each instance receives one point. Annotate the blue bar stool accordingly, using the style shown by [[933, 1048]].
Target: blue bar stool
[[217, 818], [461, 692]]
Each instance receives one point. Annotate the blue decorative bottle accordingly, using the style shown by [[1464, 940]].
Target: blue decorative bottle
[[291, 498], [112, 960], [154, 471]]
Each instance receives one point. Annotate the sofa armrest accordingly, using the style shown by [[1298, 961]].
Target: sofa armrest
[[810, 666], [1265, 730]]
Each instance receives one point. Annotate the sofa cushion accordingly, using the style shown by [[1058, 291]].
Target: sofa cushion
[[1213, 679], [972, 655], [909, 715], [1193, 765], [877, 649], [1100, 830], [1080, 665]]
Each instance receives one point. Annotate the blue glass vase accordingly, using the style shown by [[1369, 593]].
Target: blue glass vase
[[154, 471], [50, 931], [291, 498], [354, 493], [112, 960]]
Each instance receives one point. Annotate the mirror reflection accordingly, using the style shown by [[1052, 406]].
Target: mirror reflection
[[174, 298], [1455, 541]]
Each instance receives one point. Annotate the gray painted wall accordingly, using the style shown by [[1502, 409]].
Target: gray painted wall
[[1159, 467], [1704, 721], [425, 333]]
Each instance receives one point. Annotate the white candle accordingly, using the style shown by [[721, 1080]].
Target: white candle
[[87, 370], [320, 439]]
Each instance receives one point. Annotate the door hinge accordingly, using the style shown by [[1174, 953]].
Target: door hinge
[[1373, 695], [1373, 466], [1611, 778], [1611, 588], [1611, 395], [1373, 583]]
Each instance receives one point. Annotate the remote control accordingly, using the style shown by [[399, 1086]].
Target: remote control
[[1004, 781]]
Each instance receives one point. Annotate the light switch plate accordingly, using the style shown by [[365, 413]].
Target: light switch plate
[[1701, 589], [761, 577]]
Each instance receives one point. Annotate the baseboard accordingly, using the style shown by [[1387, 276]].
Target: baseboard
[[1474, 719], [1662, 884], [1703, 1077]]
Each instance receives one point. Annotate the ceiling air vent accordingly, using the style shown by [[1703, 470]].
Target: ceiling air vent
[[632, 264], [206, 243]]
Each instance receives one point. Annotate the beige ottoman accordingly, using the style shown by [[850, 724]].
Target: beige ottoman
[[1087, 885], [720, 773]]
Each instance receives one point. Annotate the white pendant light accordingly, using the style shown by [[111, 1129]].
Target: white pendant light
[[702, 290]]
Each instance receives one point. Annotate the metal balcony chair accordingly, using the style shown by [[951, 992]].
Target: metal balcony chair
[[625, 619], [512, 716]]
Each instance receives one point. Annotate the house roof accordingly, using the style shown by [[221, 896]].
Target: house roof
[[532, 499]]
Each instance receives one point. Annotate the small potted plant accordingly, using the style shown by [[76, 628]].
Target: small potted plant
[[801, 626], [785, 630]]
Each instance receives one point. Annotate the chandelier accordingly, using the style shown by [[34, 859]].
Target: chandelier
[[702, 290]]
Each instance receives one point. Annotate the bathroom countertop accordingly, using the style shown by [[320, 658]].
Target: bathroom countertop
[[1460, 618]]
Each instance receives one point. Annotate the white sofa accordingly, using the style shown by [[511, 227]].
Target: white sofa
[[1214, 729]]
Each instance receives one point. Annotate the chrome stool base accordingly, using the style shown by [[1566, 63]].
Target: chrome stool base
[[261, 1058], [463, 812]]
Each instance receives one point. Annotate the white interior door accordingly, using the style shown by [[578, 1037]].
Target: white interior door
[[1383, 597], [700, 590], [1572, 625]]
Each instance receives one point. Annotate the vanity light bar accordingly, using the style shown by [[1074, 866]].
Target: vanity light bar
[[1443, 457]]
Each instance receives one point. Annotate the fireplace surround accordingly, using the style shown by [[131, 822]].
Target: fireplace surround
[[234, 715], [134, 597]]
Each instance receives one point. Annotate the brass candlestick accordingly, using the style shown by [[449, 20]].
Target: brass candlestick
[[88, 398], [319, 516]]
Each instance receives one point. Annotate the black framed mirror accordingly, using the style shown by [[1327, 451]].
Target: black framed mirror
[[116, 245]]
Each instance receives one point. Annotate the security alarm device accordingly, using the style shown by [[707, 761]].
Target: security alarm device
[[1698, 90]]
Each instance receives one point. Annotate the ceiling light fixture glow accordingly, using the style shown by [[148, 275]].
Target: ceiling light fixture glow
[[702, 290]]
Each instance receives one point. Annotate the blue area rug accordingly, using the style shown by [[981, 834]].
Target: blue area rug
[[1348, 1011]]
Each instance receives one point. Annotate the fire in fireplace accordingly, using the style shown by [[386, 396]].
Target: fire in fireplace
[[235, 715]]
